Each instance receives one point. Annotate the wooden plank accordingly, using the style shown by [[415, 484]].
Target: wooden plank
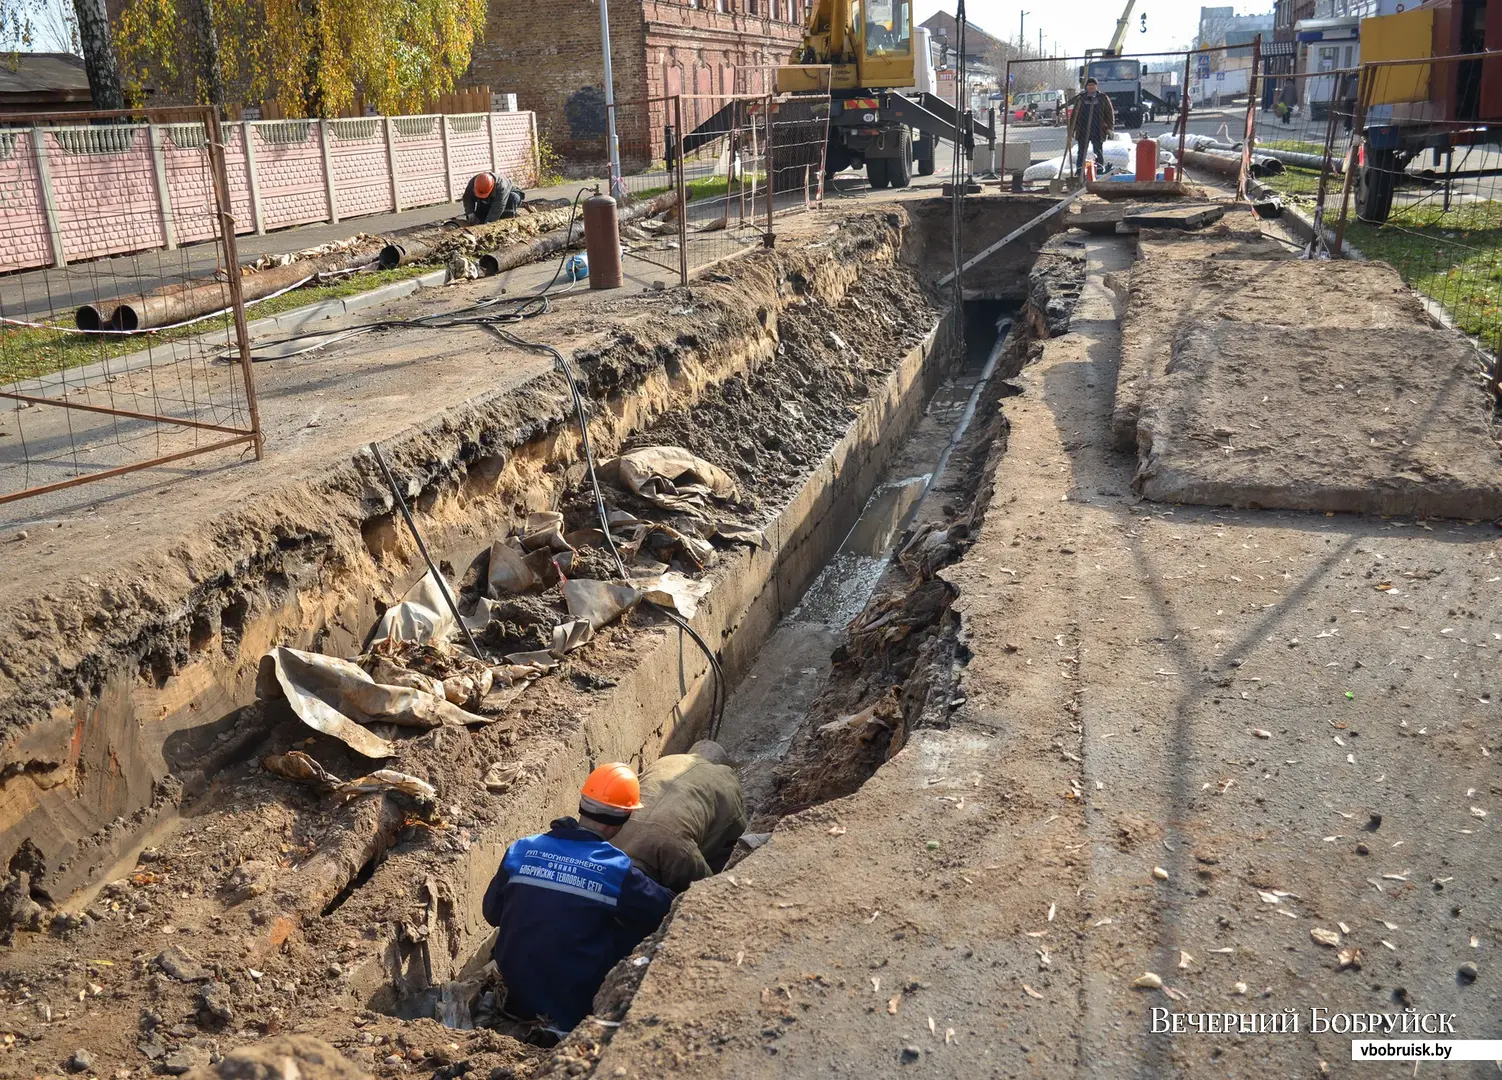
[[1132, 189], [1175, 217]]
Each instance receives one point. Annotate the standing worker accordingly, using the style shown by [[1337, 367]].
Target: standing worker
[[569, 905], [488, 197], [1094, 123], [692, 814]]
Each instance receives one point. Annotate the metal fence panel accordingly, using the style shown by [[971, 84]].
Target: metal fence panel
[[86, 397], [1422, 191]]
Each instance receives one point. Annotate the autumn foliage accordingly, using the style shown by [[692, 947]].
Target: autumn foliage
[[311, 57]]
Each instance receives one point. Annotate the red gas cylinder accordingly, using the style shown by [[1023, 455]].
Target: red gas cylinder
[[1170, 174], [602, 241], [1147, 160]]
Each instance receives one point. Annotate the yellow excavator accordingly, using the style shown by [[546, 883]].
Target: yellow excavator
[[863, 53]]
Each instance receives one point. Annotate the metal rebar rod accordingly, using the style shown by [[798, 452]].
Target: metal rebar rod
[[423, 550]]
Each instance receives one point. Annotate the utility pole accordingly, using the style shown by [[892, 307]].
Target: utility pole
[[1040, 41], [616, 188], [1022, 31]]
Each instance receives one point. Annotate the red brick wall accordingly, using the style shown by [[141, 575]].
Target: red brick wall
[[548, 54]]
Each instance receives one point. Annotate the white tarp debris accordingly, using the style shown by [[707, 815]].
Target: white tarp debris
[[421, 615], [672, 478], [335, 697], [599, 602]]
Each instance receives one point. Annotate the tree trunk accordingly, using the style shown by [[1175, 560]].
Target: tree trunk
[[211, 79], [99, 60]]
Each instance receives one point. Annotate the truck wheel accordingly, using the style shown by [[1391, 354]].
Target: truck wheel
[[1375, 181], [876, 172], [900, 168], [926, 155]]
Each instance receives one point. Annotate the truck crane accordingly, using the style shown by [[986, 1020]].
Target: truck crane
[[863, 53], [1121, 80]]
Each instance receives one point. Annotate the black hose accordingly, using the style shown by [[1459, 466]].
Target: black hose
[[422, 548]]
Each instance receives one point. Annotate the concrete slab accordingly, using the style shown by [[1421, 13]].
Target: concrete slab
[[1175, 217], [1390, 421], [1170, 291]]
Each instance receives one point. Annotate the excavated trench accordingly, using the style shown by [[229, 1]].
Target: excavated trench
[[858, 433]]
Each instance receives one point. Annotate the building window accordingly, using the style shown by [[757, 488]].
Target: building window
[[750, 7]]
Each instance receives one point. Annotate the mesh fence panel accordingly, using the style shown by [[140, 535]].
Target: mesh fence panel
[[126, 352], [1424, 192]]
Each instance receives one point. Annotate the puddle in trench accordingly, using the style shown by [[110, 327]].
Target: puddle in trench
[[764, 711]]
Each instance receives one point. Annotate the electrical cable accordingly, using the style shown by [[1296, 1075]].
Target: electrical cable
[[719, 692], [422, 548]]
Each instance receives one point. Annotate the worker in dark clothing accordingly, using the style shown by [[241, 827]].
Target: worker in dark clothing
[[1094, 123], [488, 197], [569, 905], [692, 814]]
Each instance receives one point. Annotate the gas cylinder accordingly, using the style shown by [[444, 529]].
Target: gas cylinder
[[602, 242], [1170, 174], [1089, 169], [1147, 159]]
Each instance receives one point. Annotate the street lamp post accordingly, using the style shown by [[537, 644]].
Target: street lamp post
[[615, 145]]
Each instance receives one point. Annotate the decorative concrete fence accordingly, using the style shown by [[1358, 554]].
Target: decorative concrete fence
[[72, 193]]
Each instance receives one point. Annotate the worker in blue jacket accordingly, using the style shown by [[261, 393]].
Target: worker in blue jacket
[[569, 905]]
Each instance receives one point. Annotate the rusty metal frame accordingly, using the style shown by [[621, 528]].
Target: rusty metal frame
[[225, 239]]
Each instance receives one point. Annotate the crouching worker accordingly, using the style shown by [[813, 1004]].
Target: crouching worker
[[488, 197], [569, 904], [692, 814]]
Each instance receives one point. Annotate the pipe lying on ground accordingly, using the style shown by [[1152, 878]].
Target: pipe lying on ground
[[422, 245], [179, 304], [1229, 164]]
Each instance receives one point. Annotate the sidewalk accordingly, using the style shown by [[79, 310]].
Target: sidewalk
[[61, 290]]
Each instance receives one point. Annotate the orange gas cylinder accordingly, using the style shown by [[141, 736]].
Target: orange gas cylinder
[[1170, 173], [1147, 160]]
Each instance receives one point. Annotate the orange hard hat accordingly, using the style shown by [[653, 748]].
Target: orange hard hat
[[611, 789], [484, 185]]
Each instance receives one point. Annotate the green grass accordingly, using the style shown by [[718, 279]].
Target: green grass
[[1300, 185], [705, 187], [1455, 258], [1296, 145], [25, 353]]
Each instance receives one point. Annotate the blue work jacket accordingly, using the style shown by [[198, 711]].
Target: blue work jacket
[[569, 905]]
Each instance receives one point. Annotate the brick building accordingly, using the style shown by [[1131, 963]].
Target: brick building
[[547, 52]]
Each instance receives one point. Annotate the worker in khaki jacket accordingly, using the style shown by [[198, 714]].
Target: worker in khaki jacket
[[1094, 122], [692, 814]]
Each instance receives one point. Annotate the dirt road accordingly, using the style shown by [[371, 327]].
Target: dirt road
[[1187, 738]]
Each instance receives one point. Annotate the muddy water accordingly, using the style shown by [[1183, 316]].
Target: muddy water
[[765, 710]]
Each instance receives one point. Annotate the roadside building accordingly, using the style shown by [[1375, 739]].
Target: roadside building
[[43, 82], [548, 53]]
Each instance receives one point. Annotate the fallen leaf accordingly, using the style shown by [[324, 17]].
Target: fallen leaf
[[1349, 958], [837, 830], [1239, 989], [875, 985], [1175, 993], [1160, 873], [931, 1029], [1325, 937], [1261, 733], [1031, 992], [1148, 981], [1476, 811], [1269, 898], [892, 1003], [1052, 910], [1185, 959]]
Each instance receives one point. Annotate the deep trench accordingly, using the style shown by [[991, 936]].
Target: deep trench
[[794, 673]]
